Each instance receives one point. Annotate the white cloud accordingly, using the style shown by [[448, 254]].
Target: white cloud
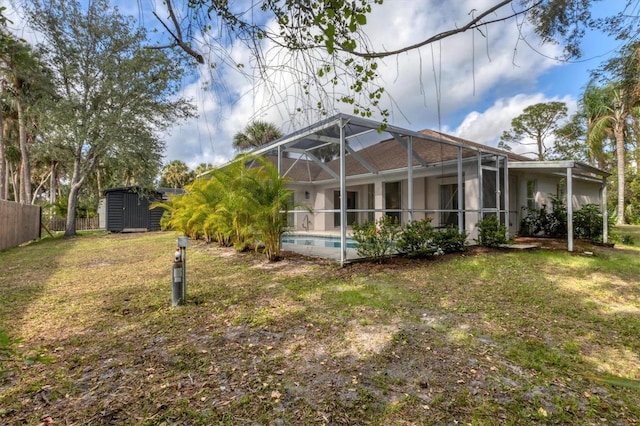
[[477, 74]]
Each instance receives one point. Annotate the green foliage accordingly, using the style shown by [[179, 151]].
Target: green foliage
[[256, 134], [543, 222], [235, 206], [627, 239], [491, 233], [7, 350], [123, 94], [417, 239], [537, 122], [587, 223], [10, 355], [376, 238], [450, 240], [175, 174]]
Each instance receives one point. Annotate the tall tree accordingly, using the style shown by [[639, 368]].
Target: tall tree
[[23, 80], [609, 116], [256, 134], [114, 95], [535, 126]]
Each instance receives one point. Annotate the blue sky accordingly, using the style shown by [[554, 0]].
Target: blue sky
[[484, 82]]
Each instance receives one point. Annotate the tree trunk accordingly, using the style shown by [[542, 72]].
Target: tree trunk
[[53, 183], [619, 135], [13, 178], [70, 227], [3, 175], [25, 168]]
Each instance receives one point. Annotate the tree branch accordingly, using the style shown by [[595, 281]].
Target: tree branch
[[178, 36], [474, 23]]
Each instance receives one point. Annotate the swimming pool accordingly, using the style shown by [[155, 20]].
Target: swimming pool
[[317, 241]]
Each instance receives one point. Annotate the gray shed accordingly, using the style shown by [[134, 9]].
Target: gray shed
[[127, 210]]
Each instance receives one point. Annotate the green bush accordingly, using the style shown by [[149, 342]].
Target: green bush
[[376, 239], [587, 223], [491, 233], [449, 240], [542, 222], [417, 239]]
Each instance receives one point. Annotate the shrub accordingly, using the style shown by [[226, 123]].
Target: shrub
[[587, 223], [491, 233], [449, 240], [417, 239], [376, 239], [627, 239], [542, 222]]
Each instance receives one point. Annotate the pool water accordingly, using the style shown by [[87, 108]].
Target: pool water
[[316, 241]]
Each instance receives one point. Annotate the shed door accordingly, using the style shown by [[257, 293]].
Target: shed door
[[135, 212]]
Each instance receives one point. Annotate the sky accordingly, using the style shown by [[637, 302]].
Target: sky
[[470, 85]]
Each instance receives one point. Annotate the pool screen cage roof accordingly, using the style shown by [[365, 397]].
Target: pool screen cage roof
[[364, 148]]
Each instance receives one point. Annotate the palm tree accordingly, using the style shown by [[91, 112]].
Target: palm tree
[[256, 134], [175, 174], [608, 114]]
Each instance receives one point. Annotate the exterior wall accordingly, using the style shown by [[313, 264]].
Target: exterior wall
[[584, 192], [426, 196]]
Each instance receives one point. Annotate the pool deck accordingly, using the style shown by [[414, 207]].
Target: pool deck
[[315, 251]]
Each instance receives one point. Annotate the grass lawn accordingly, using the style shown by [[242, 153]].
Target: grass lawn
[[489, 337]]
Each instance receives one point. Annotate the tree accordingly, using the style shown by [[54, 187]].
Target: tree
[[175, 174], [537, 122], [609, 115], [114, 95], [570, 140], [23, 80], [256, 134]]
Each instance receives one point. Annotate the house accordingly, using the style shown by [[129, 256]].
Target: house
[[127, 209], [413, 175]]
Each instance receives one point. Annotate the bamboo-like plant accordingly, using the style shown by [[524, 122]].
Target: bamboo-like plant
[[243, 204], [271, 201]]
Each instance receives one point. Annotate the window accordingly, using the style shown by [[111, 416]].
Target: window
[[352, 203], [532, 190], [392, 199], [561, 190], [449, 201]]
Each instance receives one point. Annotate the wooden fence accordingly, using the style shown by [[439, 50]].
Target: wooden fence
[[82, 224], [19, 223]]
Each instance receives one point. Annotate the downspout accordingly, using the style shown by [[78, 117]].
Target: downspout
[[570, 208]]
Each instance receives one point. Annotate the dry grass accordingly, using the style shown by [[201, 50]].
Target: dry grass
[[490, 337]]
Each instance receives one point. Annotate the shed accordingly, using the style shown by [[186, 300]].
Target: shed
[[127, 210]]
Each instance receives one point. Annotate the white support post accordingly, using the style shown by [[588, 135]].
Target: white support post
[[343, 197], [409, 179], [460, 192], [507, 219], [605, 212], [570, 208], [279, 160]]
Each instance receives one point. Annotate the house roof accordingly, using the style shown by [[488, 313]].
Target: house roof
[[374, 149]]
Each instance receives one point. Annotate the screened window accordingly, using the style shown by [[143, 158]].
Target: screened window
[[532, 190]]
